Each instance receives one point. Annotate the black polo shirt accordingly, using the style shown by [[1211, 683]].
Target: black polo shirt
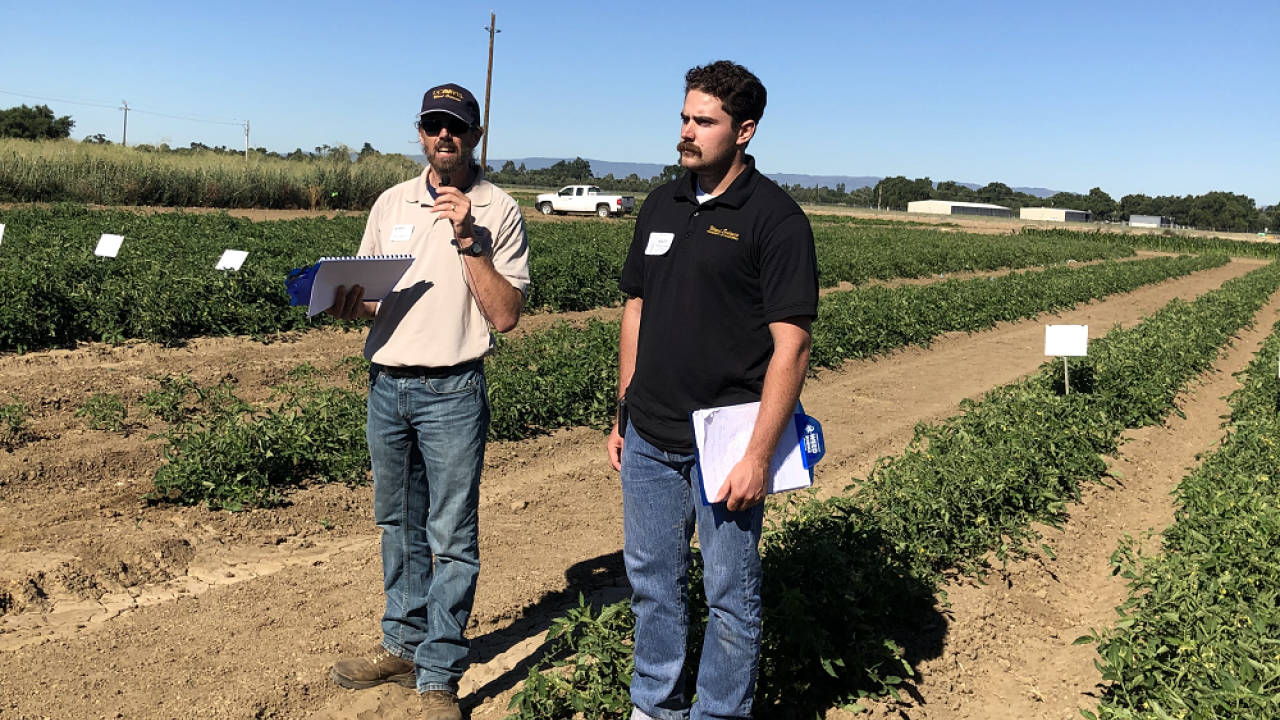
[[712, 276]]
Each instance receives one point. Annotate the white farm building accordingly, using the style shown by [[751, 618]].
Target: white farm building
[[951, 207], [1055, 214], [1150, 221]]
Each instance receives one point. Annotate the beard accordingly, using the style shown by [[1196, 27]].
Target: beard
[[450, 164], [698, 159]]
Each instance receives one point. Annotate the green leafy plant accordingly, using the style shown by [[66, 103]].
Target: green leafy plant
[[589, 669], [169, 401], [104, 411], [15, 428], [235, 455], [1197, 637]]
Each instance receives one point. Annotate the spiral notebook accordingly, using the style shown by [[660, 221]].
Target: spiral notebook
[[315, 285]]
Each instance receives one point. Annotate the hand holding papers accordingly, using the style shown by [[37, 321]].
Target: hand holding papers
[[314, 286], [720, 436]]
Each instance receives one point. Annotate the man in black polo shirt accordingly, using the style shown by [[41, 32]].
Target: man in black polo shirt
[[722, 288]]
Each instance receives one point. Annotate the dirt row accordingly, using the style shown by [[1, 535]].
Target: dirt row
[[120, 609]]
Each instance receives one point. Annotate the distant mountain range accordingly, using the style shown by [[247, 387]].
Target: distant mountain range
[[600, 168]]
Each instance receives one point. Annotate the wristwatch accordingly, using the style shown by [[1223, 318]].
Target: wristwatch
[[475, 249]]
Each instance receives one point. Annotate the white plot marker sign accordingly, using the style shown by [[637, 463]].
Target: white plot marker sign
[[1, 232], [231, 260], [108, 245], [1066, 341]]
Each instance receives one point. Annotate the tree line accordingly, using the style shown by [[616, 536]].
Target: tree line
[[1215, 210]]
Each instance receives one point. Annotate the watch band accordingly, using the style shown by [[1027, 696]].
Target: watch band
[[475, 249]]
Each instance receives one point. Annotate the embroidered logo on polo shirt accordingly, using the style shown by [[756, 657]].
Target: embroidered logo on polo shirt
[[721, 232]]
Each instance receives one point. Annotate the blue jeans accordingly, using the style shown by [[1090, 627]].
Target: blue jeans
[[661, 504], [426, 441]]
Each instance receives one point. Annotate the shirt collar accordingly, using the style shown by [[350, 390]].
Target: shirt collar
[[737, 194]]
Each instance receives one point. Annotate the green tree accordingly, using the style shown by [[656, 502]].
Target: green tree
[[996, 193], [34, 123], [861, 197], [1224, 211], [1068, 200], [894, 193], [952, 190], [670, 172], [98, 139], [1131, 205], [1100, 204]]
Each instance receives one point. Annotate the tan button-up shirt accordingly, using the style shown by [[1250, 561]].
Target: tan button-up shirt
[[431, 317]]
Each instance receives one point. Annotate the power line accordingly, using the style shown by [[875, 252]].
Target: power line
[[41, 97], [189, 118]]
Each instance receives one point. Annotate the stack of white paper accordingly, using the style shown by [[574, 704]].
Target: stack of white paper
[[721, 436]]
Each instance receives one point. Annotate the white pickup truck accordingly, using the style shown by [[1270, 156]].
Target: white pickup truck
[[585, 199]]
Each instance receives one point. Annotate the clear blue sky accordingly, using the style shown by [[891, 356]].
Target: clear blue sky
[[1150, 97]]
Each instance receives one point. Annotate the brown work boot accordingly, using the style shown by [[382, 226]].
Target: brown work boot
[[378, 668], [440, 705]]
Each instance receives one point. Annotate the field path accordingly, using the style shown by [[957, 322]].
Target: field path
[[118, 609]]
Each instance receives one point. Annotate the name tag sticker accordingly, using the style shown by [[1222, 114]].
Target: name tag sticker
[[400, 233], [659, 243]]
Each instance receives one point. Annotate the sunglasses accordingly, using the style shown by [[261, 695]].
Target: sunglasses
[[432, 126]]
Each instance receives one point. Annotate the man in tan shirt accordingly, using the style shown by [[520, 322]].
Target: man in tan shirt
[[428, 406]]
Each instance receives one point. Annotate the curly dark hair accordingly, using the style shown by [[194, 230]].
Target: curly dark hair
[[740, 93]]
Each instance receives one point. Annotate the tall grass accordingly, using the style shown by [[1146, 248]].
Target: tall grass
[[66, 170]]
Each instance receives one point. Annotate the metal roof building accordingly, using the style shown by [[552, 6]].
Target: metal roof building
[[952, 207], [1055, 214], [1150, 221]]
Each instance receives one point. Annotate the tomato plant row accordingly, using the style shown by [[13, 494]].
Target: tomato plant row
[[566, 376], [872, 320], [844, 578], [163, 287], [576, 265], [1179, 243], [1199, 636]]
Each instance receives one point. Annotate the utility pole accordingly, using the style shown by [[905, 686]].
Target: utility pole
[[246, 140], [124, 138], [488, 83]]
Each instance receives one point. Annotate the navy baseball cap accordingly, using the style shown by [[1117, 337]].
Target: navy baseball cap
[[453, 99]]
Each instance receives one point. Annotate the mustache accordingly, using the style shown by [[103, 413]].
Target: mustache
[[689, 147]]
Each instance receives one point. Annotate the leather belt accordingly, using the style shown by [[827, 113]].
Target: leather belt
[[400, 372]]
